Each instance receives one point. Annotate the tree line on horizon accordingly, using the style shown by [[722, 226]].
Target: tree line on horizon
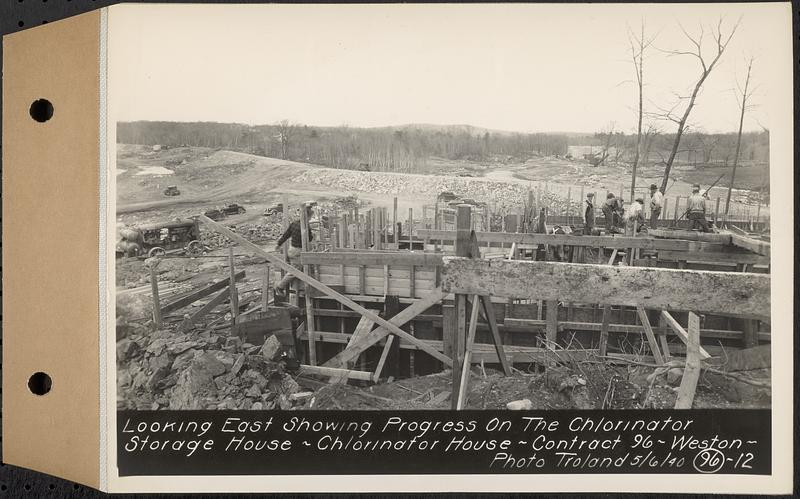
[[406, 149]]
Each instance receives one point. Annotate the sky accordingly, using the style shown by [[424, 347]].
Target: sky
[[526, 68]]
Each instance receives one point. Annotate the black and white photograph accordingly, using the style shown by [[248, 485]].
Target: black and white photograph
[[566, 208]]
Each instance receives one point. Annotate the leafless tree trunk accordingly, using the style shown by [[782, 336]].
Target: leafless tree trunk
[[638, 45], [286, 132], [721, 43], [745, 94], [606, 146]]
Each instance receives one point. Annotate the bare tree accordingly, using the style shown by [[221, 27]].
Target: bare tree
[[638, 45], [285, 135], [608, 133], [720, 43], [744, 94]]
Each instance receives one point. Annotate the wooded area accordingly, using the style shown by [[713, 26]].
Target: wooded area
[[406, 149]]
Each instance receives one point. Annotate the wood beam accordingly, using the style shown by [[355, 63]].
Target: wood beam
[[651, 337], [750, 244], [713, 257], [691, 235], [331, 371], [379, 333], [691, 372], [200, 293], [387, 326], [665, 289], [465, 369], [363, 327], [610, 242], [217, 300], [681, 333]]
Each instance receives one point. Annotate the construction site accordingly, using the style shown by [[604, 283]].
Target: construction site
[[458, 304]]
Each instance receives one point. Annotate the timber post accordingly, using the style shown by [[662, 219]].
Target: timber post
[[234, 296], [462, 248], [156, 298], [309, 302]]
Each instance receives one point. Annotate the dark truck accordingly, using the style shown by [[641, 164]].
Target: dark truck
[[159, 238], [172, 190], [233, 209]]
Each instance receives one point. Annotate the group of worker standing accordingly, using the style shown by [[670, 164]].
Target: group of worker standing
[[632, 219]]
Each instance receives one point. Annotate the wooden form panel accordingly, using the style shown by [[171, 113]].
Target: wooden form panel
[[666, 289], [610, 242], [378, 280]]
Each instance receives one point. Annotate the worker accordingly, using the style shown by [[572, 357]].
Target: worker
[[656, 203], [634, 216], [588, 215], [612, 211], [696, 209], [293, 234]]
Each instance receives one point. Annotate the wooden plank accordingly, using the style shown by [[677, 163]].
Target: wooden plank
[[448, 328], [463, 247], [234, 295], [551, 317], [384, 354], [310, 326], [265, 290], [713, 257], [608, 241], [217, 300], [750, 336], [662, 338], [651, 337], [464, 378], [604, 330], [157, 311], [750, 244], [691, 372], [332, 371], [362, 328], [387, 326], [401, 318], [373, 258], [200, 293], [666, 289], [488, 314], [681, 333], [691, 235]]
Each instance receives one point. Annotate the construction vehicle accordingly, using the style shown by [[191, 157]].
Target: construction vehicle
[[233, 209], [273, 210], [172, 190], [158, 239]]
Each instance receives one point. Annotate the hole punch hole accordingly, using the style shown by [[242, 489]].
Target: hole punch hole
[[40, 383], [41, 110]]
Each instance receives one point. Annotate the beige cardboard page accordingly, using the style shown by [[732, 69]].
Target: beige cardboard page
[[50, 250]]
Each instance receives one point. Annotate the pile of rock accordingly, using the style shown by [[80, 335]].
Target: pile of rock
[[172, 370]]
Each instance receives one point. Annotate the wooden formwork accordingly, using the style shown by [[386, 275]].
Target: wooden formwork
[[531, 301]]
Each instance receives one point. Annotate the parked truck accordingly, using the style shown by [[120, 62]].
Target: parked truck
[[160, 238]]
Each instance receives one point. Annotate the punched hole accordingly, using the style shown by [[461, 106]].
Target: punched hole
[[40, 383], [41, 110]]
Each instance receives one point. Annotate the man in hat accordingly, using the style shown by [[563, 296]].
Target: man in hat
[[293, 234], [696, 209], [611, 209], [634, 216], [588, 215], [656, 202]]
